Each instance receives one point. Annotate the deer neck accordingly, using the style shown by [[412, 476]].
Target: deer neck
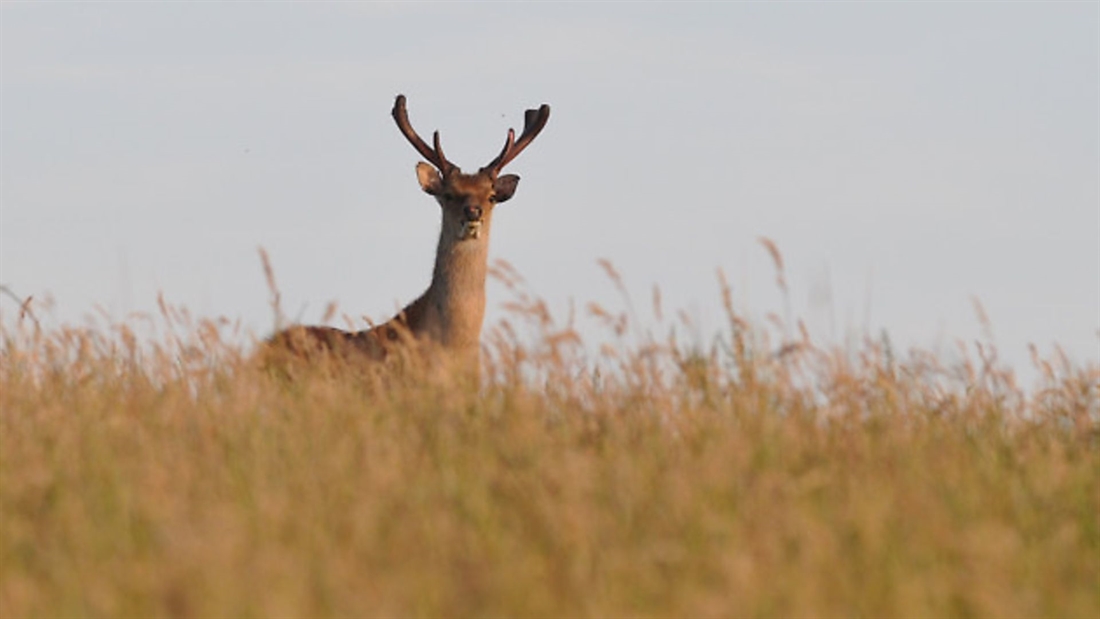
[[457, 293]]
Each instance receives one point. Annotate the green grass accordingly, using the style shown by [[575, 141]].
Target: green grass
[[181, 480]]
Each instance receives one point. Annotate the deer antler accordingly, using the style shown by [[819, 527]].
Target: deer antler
[[434, 156], [533, 122]]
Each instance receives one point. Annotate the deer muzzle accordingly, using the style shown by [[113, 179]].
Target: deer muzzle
[[470, 230], [471, 227]]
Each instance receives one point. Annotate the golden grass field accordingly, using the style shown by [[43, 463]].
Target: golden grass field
[[754, 476]]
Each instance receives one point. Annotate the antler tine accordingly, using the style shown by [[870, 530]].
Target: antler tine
[[509, 142], [435, 157], [439, 151], [533, 123]]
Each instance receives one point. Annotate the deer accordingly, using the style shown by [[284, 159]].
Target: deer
[[448, 317]]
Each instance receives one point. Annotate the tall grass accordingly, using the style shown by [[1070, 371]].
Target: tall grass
[[758, 476]]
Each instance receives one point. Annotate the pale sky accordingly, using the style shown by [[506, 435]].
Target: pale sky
[[906, 158]]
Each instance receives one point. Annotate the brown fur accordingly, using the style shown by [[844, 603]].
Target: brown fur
[[449, 315]]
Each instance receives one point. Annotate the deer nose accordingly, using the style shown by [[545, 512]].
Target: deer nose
[[473, 213]]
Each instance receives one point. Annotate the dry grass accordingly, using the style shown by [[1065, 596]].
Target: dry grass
[[750, 478]]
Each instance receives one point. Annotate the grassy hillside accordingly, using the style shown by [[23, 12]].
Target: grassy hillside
[[753, 477]]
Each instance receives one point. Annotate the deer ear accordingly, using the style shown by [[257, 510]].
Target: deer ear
[[504, 187], [429, 178]]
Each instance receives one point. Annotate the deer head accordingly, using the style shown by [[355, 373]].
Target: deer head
[[468, 199]]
